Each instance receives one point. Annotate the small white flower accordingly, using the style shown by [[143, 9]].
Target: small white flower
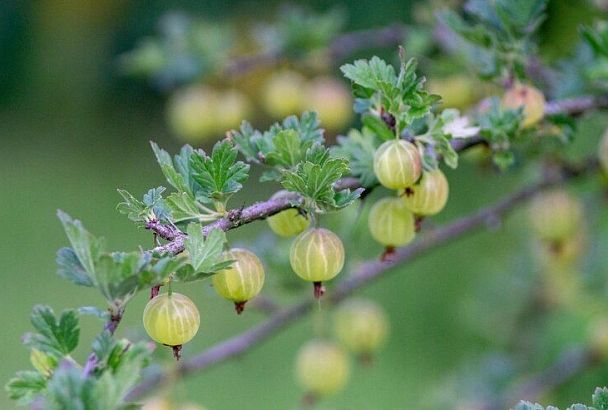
[[460, 128]]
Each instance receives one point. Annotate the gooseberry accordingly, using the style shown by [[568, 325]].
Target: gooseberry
[[317, 255], [233, 107], [429, 195], [192, 113], [397, 164], [456, 91], [530, 98], [171, 319], [289, 222], [555, 216], [243, 280], [391, 223], [322, 368], [283, 94], [361, 326], [332, 101]]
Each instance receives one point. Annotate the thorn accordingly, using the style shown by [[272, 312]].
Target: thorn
[[239, 307], [318, 289]]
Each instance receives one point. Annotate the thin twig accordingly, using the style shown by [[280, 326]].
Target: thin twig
[[262, 210], [366, 273]]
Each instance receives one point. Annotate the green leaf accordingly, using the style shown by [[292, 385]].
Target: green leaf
[[220, 174], [287, 149], [25, 386], [183, 207], [94, 311], [70, 268], [372, 74], [600, 398], [174, 178], [282, 146], [58, 337], [358, 148], [314, 178], [204, 253], [86, 247], [526, 405], [378, 127], [68, 389]]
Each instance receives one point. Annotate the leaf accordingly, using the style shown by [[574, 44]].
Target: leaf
[[600, 398], [68, 389], [94, 311], [282, 146], [219, 174], [152, 207], [358, 148], [58, 337], [526, 405], [476, 34], [25, 386], [70, 268], [204, 253], [372, 74], [117, 274], [86, 247], [287, 149], [378, 127], [174, 178], [314, 178], [183, 207]]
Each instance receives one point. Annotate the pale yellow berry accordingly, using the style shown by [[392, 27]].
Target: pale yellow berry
[[397, 164], [429, 195], [322, 368], [456, 91], [361, 326], [317, 255], [531, 99], [234, 107], [243, 280], [332, 101], [171, 319], [391, 223], [289, 222], [283, 94], [555, 215], [193, 113]]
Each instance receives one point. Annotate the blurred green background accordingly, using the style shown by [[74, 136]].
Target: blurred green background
[[72, 130]]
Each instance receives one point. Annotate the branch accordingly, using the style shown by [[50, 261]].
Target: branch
[[365, 274], [110, 326], [262, 210], [341, 47]]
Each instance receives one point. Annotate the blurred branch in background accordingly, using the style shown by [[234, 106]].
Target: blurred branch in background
[[339, 48], [367, 272]]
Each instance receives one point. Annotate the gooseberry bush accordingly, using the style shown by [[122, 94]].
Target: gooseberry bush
[[400, 155]]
